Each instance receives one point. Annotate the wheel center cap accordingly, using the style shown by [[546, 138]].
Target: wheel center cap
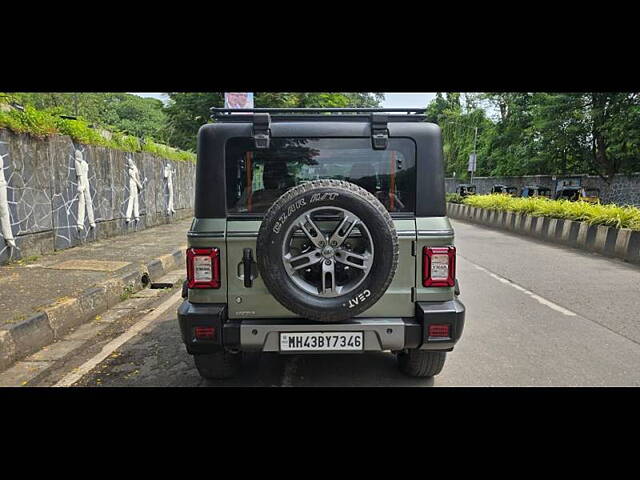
[[327, 252]]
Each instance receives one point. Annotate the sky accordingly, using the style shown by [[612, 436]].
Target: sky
[[392, 100]]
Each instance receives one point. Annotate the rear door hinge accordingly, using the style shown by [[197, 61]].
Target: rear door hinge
[[379, 131], [413, 248], [413, 294]]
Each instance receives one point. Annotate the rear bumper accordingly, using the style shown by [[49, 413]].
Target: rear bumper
[[263, 335]]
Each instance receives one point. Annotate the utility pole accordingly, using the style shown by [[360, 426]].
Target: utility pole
[[475, 156]]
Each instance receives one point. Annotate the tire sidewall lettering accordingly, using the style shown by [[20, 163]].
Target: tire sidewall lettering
[[302, 202]]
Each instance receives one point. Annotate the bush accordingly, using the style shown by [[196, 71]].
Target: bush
[[595, 214], [454, 198], [43, 123]]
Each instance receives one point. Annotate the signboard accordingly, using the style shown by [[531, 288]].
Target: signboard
[[472, 163], [238, 100]]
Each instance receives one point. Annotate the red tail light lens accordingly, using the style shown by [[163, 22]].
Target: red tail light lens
[[439, 266], [439, 330], [203, 268], [205, 333]]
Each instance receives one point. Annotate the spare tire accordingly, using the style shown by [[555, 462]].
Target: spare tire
[[327, 250]]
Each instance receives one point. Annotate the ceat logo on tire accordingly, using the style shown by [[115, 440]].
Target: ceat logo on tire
[[359, 298]]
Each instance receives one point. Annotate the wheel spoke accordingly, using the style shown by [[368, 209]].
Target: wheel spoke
[[312, 258], [336, 239], [318, 238], [328, 278], [345, 255]]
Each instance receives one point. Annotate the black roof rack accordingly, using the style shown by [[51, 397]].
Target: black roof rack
[[263, 117], [318, 114]]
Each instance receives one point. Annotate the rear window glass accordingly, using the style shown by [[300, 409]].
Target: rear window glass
[[257, 177]]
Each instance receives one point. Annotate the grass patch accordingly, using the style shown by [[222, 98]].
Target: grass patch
[[23, 261], [594, 214], [44, 123], [126, 293]]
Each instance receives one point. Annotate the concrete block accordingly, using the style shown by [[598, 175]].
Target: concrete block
[[509, 220], [570, 232], [529, 225], [586, 236], [31, 334], [554, 230], [7, 349], [628, 245], [64, 315], [541, 227], [605, 241], [93, 301], [155, 269], [518, 222]]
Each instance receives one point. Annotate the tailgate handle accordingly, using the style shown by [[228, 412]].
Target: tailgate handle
[[247, 261]]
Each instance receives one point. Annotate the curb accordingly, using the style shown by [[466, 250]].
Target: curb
[[55, 320], [612, 242]]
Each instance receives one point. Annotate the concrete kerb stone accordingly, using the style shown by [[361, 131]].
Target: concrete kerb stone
[[554, 230], [53, 321], [64, 315], [586, 236], [541, 227], [528, 225], [570, 233], [633, 248], [31, 334], [605, 241], [621, 243], [7, 349]]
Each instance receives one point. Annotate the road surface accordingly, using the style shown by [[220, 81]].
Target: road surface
[[537, 315]]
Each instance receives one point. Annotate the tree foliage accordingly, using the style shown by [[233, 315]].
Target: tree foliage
[[540, 133], [123, 112]]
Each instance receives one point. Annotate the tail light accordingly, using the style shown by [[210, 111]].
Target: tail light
[[439, 266], [205, 333], [203, 268], [439, 330]]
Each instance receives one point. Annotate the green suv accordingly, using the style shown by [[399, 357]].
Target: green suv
[[320, 231]]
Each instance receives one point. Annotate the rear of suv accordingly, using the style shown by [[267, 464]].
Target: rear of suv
[[320, 231]]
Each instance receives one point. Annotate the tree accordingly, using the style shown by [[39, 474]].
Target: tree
[[127, 113]]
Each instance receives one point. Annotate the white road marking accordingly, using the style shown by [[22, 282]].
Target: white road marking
[[542, 300], [110, 347]]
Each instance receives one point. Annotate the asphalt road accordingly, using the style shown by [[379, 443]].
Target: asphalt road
[[537, 315]]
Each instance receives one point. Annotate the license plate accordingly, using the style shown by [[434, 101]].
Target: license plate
[[316, 341]]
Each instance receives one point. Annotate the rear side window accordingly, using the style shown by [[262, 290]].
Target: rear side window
[[257, 177]]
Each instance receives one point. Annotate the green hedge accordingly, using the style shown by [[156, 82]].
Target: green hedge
[[41, 123], [454, 198], [594, 214]]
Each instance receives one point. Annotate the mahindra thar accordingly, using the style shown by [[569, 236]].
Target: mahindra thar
[[320, 231]]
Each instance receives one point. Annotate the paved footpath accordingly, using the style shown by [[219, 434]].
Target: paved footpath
[[44, 298], [537, 315], [29, 285]]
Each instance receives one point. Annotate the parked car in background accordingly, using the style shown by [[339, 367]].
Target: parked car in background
[[574, 193], [535, 191], [513, 191], [465, 189]]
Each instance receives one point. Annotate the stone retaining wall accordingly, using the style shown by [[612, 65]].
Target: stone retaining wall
[[42, 197], [622, 189]]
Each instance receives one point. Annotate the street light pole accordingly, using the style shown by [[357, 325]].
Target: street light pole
[[475, 156]]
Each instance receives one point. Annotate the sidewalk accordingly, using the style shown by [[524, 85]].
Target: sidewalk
[[42, 298]]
